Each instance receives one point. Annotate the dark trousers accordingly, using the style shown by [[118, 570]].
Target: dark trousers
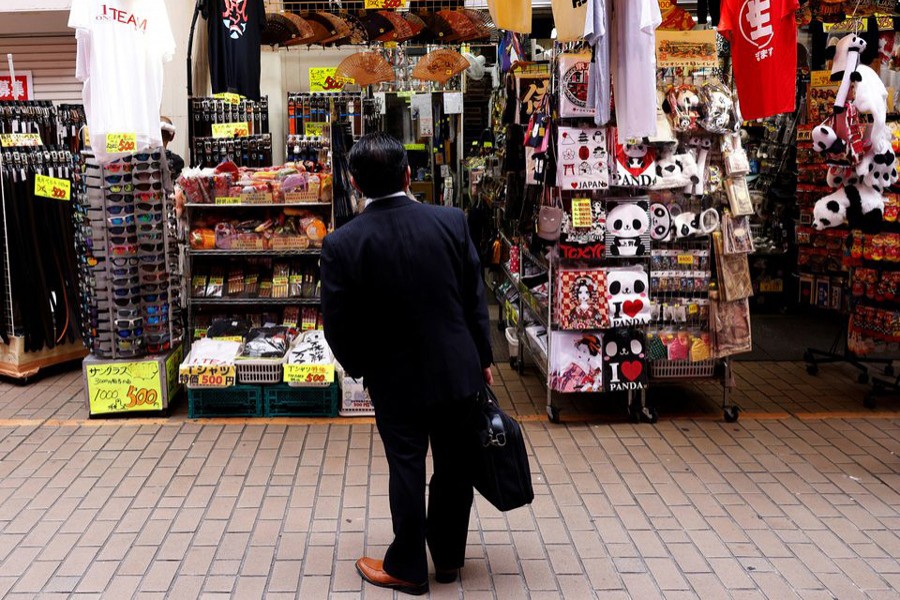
[[446, 523]]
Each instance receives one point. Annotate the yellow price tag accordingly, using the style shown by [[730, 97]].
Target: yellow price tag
[[228, 200], [18, 140], [51, 187], [117, 143], [309, 373], [218, 376], [414, 146], [230, 338], [821, 79], [229, 97], [124, 386], [693, 309], [581, 213], [325, 79], [685, 259], [390, 45], [316, 128], [230, 130], [370, 4]]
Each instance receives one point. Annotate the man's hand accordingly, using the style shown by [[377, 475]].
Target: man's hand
[[488, 376]]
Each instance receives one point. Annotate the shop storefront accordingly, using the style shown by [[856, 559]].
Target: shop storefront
[[641, 188]]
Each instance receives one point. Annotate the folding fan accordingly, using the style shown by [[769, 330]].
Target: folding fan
[[402, 29], [319, 32], [440, 65], [303, 30], [366, 68], [484, 26], [415, 22], [358, 34], [335, 26], [376, 25], [439, 28], [461, 26], [279, 29]]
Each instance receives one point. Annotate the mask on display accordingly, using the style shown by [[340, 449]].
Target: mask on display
[[582, 159], [628, 295], [689, 224], [576, 361], [627, 227], [625, 360]]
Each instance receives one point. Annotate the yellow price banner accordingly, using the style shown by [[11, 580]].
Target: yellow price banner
[[309, 374], [230, 130], [51, 187], [18, 140], [325, 79], [581, 213], [414, 146], [218, 376], [229, 97], [821, 79], [375, 4], [685, 259], [228, 200], [117, 143], [230, 338], [124, 387], [316, 128]]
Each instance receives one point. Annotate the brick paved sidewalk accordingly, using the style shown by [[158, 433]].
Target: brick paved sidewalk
[[775, 507]]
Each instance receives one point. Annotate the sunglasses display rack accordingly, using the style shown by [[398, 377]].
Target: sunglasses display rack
[[38, 284], [250, 151], [212, 117], [130, 275]]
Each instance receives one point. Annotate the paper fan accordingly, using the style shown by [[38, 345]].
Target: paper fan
[[358, 35], [484, 26], [461, 26], [303, 30], [402, 29], [440, 65], [415, 22], [376, 25], [365, 68], [335, 26], [319, 32]]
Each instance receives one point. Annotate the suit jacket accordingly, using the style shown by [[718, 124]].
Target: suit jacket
[[404, 304]]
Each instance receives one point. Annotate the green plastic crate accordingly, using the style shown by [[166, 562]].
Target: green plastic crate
[[283, 400], [234, 401]]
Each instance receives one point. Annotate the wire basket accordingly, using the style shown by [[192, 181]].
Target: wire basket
[[682, 369], [259, 370]]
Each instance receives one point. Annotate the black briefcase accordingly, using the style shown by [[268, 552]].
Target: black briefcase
[[502, 474]]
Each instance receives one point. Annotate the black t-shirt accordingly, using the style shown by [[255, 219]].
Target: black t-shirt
[[234, 28]]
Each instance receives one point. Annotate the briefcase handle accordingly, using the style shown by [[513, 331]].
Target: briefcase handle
[[494, 433]]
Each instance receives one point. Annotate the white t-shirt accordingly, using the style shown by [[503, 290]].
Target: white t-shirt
[[634, 44], [596, 32], [122, 45]]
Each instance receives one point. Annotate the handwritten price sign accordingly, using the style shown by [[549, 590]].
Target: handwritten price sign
[[581, 213], [325, 79], [372, 4], [230, 130], [315, 128], [311, 374], [214, 376], [117, 143], [229, 97], [19, 140], [51, 187], [124, 387]]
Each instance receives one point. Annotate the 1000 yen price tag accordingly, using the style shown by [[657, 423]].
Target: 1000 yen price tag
[[51, 187], [320, 374], [117, 143]]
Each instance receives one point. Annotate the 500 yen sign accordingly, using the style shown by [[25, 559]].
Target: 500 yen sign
[[121, 142], [51, 187]]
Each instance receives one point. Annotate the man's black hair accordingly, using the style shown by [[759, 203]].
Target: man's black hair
[[378, 164]]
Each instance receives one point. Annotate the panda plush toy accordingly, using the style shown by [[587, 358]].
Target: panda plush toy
[[860, 205]]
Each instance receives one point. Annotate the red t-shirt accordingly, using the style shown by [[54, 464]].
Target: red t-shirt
[[763, 36]]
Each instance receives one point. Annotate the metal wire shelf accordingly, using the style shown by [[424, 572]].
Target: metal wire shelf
[[255, 301]]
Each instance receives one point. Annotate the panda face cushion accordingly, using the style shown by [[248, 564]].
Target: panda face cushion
[[627, 227], [627, 294], [625, 366], [660, 222]]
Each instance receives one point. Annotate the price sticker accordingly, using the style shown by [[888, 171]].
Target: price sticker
[[312, 374], [117, 143], [693, 309], [581, 213], [218, 376], [51, 187], [316, 128], [230, 130], [228, 200], [230, 338], [18, 140], [685, 259], [390, 45], [229, 97]]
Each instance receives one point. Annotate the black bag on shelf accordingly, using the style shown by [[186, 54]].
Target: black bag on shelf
[[501, 470]]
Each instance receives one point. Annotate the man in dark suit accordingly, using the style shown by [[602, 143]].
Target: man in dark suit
[[404, 308]]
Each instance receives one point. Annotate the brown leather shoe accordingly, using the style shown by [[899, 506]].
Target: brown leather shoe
[[373, 571]]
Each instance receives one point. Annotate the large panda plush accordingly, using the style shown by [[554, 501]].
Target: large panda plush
[[860, 205]]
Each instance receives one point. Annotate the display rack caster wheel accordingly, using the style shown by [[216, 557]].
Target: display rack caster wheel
[[649, 415], [889, 370], [869, 401], [553, 414], [731, 414], [863, 378], [513, 363], [812, 369]]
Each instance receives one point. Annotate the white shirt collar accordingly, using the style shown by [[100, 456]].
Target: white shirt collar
[[394, 195]]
